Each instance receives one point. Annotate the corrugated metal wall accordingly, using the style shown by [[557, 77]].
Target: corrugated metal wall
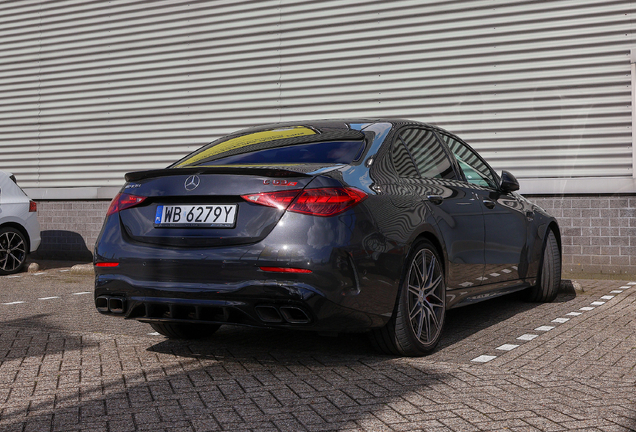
[[92, 89]]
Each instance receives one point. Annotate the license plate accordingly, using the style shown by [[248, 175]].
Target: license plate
[[196, 215]]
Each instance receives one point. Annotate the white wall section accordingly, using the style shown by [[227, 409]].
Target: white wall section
[[92, 89]]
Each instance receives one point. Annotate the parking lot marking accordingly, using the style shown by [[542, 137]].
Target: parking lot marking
[[597, 303], [48, 298], [65, 270], [507, 271], [12, 303], [607, 297], [625, 287], [574, 313], [154, 334], [495, 274], [39, 273], [616, 291], [14, 276], [544, 328], [507, 347], [527, 337], [82, 292], [561, 320], [483, 358], [631, 283]]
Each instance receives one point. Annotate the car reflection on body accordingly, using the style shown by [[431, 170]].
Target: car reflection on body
[[336, 225], [19, 227]]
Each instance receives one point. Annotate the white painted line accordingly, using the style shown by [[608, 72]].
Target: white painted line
[[527, 337], [12, 303], [544, 328], [466, 284], [515, 267], [483, 358], [586, 308], [574, 313], [561, 320], [607, 297], [48, 298], [82, 292], [507, 347], [625, 287], [597, 303], [482, 278], [154, 334], [507, 271], [39, 273], [13, 276], [495, 274], [616, 291], [631, 283], [65, 270]]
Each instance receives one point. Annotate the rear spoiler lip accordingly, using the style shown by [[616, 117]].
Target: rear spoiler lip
[[255, 171]]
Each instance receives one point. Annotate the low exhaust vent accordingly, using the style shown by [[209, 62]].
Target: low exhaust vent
[[269, 314], [294, 315], [101, 303], [112, 304]]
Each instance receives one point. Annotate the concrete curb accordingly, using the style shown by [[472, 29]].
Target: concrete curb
[[82, 269]]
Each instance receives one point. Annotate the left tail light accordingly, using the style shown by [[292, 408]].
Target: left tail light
[[123, 201], [33, 207], [315, 202]]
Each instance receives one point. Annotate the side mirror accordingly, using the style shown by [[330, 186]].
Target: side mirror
[[508, 182]]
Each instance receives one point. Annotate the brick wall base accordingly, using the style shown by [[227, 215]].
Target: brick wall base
[[598, 231]]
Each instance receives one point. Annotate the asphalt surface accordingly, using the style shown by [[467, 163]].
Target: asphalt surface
[[502, 365]]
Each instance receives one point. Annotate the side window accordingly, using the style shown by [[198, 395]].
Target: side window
[[402, 160], [427, 153], [475, 170]]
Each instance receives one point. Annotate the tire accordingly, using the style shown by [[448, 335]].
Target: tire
[[13, 251], [185, 330], [418, 319], [549, 277]]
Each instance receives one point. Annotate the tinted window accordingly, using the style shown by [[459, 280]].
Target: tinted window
[[474, 169], [427, 153], [339, 152], [402, 160]]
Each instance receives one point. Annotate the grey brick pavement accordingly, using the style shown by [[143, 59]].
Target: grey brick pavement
[[66, 368]]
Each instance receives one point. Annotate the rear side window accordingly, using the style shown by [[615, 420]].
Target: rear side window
[[421, 148]]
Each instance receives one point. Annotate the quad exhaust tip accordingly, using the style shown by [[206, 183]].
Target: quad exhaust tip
[[290, 314], [112, 304]]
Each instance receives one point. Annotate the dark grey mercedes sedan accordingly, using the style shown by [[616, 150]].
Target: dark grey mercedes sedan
[[374, 226]]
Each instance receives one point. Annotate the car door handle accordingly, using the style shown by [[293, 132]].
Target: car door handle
[[435, 199], [488, 203]]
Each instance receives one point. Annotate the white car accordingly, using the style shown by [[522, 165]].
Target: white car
[[19, 227]]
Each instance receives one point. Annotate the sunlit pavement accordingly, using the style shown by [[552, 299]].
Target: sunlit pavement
[[502, 365]]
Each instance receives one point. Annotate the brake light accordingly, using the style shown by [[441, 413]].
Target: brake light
[[106, 264], [315, 202], [123, 201], [33, 207], [284, 270]]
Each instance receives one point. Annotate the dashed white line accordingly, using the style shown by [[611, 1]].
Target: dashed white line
[[527, 337], [607, 297], [13, 276], [507, 347], [483, 358], [574, 313], [12, 303], [507, 271], [597, 303], [154, 334], [82, 292], [561, 320], [65, 270], [616, 291], [586, 308], [544, 328], [625, 287], [39, 273], [495, 274], [631, 283], [48, 298]]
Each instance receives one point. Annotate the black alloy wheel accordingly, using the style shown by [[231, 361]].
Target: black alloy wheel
[[13, 250], [416, 326], [549, 277]]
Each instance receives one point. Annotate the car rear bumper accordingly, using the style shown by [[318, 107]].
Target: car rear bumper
[[271, 303]]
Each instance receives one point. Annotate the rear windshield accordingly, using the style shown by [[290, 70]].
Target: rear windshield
[[336, 152]]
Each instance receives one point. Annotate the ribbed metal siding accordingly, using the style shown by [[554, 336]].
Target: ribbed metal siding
[[92, 89]]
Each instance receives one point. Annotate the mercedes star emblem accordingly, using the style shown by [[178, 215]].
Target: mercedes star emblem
[[192, 182]]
